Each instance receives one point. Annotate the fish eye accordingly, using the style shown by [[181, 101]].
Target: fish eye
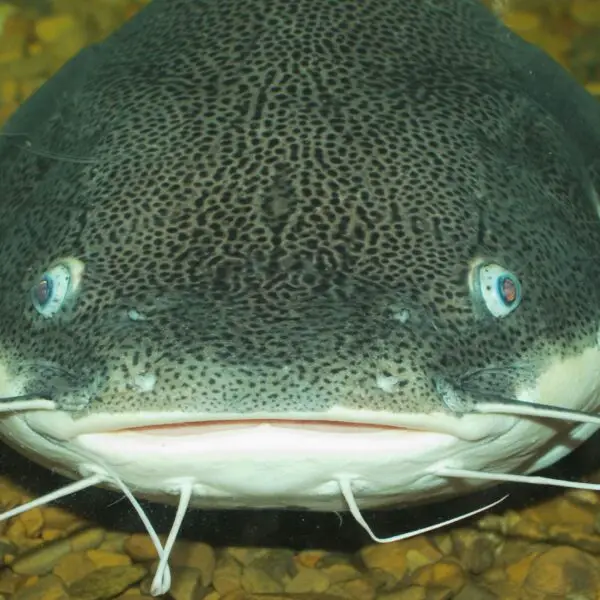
[[497, 288], [51, 290]]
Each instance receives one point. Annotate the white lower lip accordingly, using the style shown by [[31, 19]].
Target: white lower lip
[[265, 463]]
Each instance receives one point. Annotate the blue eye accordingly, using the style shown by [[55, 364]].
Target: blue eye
[[50, 292], [497, 288]]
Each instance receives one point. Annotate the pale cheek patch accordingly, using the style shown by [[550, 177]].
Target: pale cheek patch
[[573, 382], [402, 315], [386, 383], [144, 382]]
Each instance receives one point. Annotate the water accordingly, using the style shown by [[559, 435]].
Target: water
[[38, 36]]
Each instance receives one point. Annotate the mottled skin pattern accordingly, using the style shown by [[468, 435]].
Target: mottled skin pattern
[[269, 184]]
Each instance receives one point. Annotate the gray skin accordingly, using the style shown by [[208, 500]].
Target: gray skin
[[269, 184]]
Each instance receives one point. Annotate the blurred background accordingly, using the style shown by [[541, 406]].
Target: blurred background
[[37, 36]]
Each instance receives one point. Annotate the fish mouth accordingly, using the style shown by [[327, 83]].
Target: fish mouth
[[200, 427], [62, 425], [270, 461]]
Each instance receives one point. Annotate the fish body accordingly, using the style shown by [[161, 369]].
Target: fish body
[[274, 251]]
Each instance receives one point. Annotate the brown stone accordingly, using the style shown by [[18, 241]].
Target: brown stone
[[49, 587], [355, 589], [257, 581], [414, 592], [140, 547], [584, 497], [325, 596], [390, 558], [33, 521], [242, 595], [49, 535], [58, 518], [73, 566], [475, 549], [114, 541], [16, 532], [106, 583], [42, 560], [341, 572], [307, 580], [563, 570], [439, 593], [560, 510], [278, 563], [516, 572], [246, 556], [104, 558], [6, 548], [472, 591], [446, 573], [196, 555], [186, 583], [135, 593], [444, 543], [10, 582], [567, 534], [310, 558], [87, 539], [227, 575], [420, 552]]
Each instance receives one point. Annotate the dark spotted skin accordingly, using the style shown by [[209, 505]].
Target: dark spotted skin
[[267, 183]]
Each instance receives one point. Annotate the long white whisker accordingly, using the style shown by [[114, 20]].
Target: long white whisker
[[534, 479], [531, 410], [158, 583], [20, 405], [346, 489], [166, 575], [66, 490]]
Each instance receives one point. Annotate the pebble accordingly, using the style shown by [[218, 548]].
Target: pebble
[[446, 573], [413, 592], [227, 575], [42, 561], [106, 583], [73, 566], [46, 588], [563, 571], [586, 12], [356, 589], [186, 583], [140, 547], [52, 29], [197, 555], [476, 552], [258, 581], [105, 558], [308, 580], [389, 558]]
